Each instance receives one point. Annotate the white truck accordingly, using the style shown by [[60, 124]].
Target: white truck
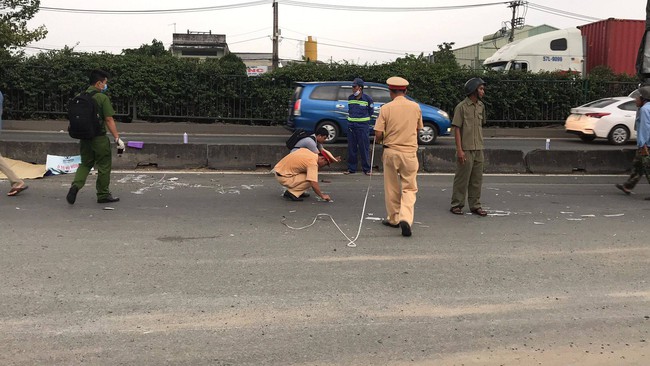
[[560, 50]]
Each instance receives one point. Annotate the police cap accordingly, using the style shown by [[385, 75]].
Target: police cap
[[397, 83], [358, 82]]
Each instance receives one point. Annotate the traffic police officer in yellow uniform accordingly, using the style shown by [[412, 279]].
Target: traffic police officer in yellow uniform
[[397, 127], [469, 118]]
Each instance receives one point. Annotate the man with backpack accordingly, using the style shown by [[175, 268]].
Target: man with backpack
[[95, 147], [313, 142]]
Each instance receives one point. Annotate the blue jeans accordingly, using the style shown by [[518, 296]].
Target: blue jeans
[[358, 143]]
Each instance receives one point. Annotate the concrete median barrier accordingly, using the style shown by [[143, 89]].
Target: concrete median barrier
[[244, 157], [163, 156], [570, 161], [434, 159], [36, 152], [443, 160], [504, 161]]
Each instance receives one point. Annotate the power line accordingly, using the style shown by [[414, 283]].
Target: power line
[[157, 11], [384, 9], [353, 48], [562, 13], [264, 2], [339, 41]]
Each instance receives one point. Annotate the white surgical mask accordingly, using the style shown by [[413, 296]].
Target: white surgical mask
[[105, 88], [356, 93]]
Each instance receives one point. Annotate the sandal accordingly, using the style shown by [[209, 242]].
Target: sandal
[[15, 190], [479, 211], [456, 210]]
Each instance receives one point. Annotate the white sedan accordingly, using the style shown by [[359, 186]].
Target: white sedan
[[610, 118]]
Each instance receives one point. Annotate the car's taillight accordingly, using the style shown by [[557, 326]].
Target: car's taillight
[[296, 107], [597, 115]]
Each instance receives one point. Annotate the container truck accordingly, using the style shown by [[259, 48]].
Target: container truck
[[612, 42]]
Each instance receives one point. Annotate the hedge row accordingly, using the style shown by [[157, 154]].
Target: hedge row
[[167, 87]]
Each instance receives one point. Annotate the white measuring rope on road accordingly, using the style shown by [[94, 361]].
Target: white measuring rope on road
[[351, 241]]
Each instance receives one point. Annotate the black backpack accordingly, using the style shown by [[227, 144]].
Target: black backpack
[[84, 117], [297, 135]]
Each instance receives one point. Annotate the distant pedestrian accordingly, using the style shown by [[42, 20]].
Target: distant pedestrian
[[397, 128], [298, 171], [641, 161], [469, 118], [17, 184], [360, 109], [97, 151]]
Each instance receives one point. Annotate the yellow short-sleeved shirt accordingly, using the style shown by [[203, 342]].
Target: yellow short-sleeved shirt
[[400, 120], [300, 161], [470, 118]]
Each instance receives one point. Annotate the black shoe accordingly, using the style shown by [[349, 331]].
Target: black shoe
[[406, 228], [290, 196], [622, 188], [72, 194], [304, 195], [108, 199], [387, 223]]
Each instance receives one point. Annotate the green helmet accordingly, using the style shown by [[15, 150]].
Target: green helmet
[[472, 84]]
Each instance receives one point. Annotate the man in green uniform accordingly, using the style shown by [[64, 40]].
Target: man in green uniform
[[469, 118], [97, 150]]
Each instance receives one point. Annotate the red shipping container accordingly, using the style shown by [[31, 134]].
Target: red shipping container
[[614, 43]]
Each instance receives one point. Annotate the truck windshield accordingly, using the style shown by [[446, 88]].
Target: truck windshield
[[497, 66]]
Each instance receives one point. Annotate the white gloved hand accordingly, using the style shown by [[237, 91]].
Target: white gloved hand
[[119, 143]]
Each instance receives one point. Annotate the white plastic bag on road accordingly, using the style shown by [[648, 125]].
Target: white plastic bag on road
[[62, 164]]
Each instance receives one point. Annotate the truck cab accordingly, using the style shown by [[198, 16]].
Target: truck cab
[[560, 50]]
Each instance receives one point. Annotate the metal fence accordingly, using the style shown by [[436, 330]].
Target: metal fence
[[264, 101]]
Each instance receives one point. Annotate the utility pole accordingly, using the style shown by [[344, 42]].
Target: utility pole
[[515, 22], [276, 35]]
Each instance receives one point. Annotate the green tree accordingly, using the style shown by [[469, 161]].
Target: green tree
[[444, 55], [14, 15], [155, 49]]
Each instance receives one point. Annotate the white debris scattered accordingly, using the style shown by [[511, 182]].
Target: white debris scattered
[[374, 218], [172, 179], [614, 215], [538, 223], [292, 211], [566, 212], [574, 219], [588, 215]]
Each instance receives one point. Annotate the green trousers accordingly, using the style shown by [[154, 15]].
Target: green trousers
[[640, 167], [468, 180], [95, 152]]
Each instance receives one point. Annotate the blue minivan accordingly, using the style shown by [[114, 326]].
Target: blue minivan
[[325, 104]]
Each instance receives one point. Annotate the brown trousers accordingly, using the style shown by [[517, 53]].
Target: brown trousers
[[6, 170], [296, 185], [400, 185]]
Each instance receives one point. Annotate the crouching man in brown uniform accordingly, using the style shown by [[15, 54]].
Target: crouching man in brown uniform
[[397, 127], [298, 171]]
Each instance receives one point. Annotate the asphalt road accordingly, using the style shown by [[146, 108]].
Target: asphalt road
[[525, 144], [198, 269]]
